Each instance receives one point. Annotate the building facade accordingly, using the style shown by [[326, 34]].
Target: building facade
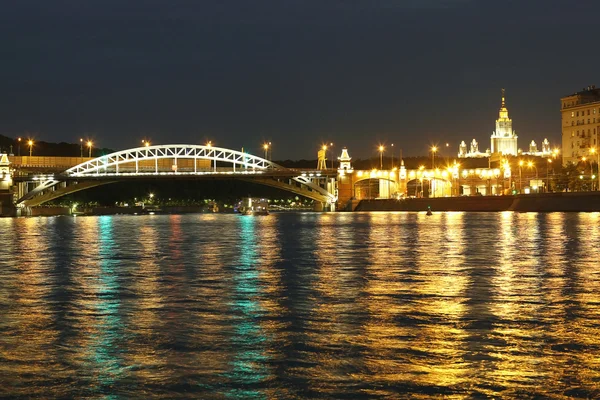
[[504, 138], [580, 124]]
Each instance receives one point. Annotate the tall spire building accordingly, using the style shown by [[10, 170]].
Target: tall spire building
[[504, 139]]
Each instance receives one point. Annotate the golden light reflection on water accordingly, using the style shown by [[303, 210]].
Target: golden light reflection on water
[[302, 305]]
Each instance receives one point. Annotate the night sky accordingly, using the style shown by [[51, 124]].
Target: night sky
[[293, 72]]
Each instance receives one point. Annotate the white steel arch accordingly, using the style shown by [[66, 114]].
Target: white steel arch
[[113, 165], [109, 164]]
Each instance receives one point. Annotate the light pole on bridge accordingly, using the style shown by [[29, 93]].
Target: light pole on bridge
[[381, 148], [89, 145], [30, 143], [81, 147]]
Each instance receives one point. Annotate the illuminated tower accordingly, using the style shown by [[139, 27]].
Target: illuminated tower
[[504, 139], [345, 161]]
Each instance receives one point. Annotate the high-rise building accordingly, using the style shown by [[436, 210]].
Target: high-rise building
[[504, 139], [580, 123]]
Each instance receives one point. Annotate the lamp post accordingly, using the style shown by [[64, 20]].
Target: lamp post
[[19, 147], [392, 145], [530, 164], [548, 174], [266, 148], [81, 147], [381, 148], [89, 145], [584, 159], [30, 143], [594, 151], [421, 168], [520, 180], [433, 150]]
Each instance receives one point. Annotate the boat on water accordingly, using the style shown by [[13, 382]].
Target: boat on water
[[253, 206]]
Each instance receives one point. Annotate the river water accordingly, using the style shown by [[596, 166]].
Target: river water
[[301, 305]]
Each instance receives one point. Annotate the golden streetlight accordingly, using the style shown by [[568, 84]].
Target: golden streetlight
[[520, 181], [81, 147], [266, 148], [548, 174], [421, 168], [433, 150], [209, 143], [594, 151], [332, 157], [30, 143], [392, 146], [89, 145], [530, 164], [381, 148], [19, 147]]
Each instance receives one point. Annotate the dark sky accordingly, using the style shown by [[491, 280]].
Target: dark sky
[[295, 72]]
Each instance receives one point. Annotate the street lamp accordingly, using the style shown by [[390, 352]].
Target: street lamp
[[594, 151], [332, 157], [507, 172], [266, 148], [392, 145], [520, 181], [530, 164], [30, 143], [421, 168], [81, 147], [19, 146], [433, 150], [89, 145], [381, 148], [547, 175]]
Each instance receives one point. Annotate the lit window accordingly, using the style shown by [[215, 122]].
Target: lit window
[[572, 113]]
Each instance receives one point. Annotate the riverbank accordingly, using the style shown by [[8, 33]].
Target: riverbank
[[542, 202]]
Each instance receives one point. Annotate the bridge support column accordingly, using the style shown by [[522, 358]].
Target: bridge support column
[[318, 206]]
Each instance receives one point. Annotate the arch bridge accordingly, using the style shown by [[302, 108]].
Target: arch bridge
[[178, 161]]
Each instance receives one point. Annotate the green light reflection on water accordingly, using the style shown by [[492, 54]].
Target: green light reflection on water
[[248, 365], [105, 359]]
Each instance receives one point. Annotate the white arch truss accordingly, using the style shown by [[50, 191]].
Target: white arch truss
[[127, 163], [110, 163]]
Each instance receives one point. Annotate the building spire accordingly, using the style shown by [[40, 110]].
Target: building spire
[[503, 101]]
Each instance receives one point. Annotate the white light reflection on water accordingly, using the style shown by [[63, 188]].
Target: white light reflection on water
[[301, 305]]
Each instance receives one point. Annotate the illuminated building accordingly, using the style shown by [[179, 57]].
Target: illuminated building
[[580, 123], [473, 151], [533, 149], [504, 139]]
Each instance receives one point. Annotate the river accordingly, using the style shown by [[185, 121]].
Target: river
[[301, 305]]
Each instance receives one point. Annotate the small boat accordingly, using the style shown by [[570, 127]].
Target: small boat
[[253, 206]]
